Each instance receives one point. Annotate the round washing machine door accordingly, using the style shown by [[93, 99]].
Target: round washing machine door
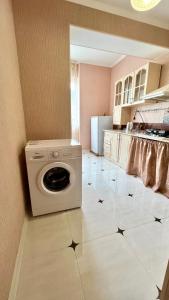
[[55, 178]]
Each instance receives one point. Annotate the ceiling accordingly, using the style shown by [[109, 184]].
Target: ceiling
[[101, 49], [94, 56], [158, 16]]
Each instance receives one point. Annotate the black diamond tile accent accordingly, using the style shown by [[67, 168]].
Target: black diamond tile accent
[[130, 195], [159, 292], [157, 220], [113, 179], [89, 183], [73, 245], [121, 231], [102, 170], [101, 201]]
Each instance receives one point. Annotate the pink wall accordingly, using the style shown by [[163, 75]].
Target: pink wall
[[94, 97], [130, 64]]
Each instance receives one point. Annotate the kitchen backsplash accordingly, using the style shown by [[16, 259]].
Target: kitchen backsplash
[[153, 113]]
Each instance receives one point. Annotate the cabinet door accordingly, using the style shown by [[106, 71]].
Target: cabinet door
[[107, 151], [115, 147], [146, 80], [107, 146], [124, 145], [128, 89], [117, 115], [107, 137], [118, 93]]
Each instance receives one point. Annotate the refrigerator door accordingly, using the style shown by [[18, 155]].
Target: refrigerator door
[[95, 134]]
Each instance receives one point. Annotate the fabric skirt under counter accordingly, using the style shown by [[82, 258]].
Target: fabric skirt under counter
[[150, 160]]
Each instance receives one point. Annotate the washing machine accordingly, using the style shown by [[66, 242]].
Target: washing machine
[[55, 175]]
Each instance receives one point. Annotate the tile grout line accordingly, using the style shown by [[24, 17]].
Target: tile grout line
[[78, 268], [141, 263]]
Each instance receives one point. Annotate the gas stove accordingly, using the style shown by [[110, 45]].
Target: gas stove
[[157, 132]]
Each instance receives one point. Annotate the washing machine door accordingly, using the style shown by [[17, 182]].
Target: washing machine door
[[56, 177]]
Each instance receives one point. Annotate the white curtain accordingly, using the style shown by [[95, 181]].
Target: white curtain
[[75, 102]]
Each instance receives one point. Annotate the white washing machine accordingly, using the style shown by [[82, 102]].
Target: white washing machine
[[55, 175]]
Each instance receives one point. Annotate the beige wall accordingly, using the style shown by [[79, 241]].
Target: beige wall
[[42, 30], [43, 46], [94, 97], [12, 140]]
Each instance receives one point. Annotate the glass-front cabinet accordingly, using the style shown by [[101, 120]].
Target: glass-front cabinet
[[140, 84], [131, 89], [128, 89], [146, 80], [118, 92]]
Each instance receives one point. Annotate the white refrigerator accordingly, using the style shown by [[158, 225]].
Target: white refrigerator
[[98, 125]]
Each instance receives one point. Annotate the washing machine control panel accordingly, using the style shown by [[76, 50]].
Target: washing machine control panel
[[37, 156], [60, 154], [55, 154]]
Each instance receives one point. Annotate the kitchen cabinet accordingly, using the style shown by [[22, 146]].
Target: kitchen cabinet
[[146, 80], [129, 91], [116, 147], [121, 115], [118, 92], [107, 145]]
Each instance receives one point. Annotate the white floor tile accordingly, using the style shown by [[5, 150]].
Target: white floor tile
[[150, 243], [109, 270], [89, 226], [52, 277], [46, 234]]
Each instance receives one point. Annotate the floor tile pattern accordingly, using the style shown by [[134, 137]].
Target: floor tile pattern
[[119, 238]]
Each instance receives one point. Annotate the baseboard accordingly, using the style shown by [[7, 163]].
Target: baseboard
[[16, 273]]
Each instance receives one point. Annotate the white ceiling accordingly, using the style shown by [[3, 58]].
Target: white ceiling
[[101, 49], [158, 16], [94, 56]]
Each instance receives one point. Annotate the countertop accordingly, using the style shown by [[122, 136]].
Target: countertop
[[141, 135]]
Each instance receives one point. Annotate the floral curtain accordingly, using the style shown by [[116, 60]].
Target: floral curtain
[[75, 103], [150, 160]]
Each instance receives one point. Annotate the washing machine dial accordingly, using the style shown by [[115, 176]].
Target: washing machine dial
[[55, 154]]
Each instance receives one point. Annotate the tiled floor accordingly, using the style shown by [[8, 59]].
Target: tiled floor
[[120, 242]]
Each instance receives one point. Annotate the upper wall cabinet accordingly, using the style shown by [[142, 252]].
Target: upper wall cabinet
[[146, 80], [118, 92], [128, 89], [131, 89]]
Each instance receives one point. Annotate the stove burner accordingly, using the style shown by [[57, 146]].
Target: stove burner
[[157, 132]]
